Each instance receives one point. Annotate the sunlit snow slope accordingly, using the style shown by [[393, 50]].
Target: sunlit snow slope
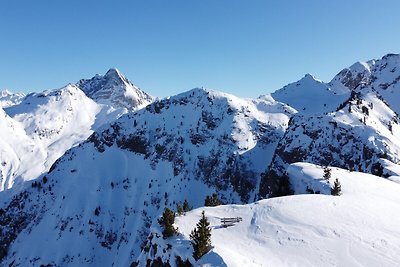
[[358, 228]]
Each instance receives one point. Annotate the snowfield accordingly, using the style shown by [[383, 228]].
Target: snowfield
[[358, 228]]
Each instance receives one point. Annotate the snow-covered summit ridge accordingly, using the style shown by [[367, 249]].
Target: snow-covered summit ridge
[[310, 95], [382, 75], [8, 98], [115, 90]]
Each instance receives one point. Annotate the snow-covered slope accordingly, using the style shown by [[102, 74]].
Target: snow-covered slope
[[115, 90], [358, 136], [358, 228], [17, 151], [56, 120], [105, 193]]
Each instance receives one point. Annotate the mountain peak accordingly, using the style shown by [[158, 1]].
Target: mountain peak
[[115, 90], [309, 96], [310, 78], [391, 55], [114, 72]]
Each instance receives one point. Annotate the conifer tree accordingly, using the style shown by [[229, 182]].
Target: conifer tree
[[283, 186], [327, 174], [212, 201], [166, 221], [186, 207], [179, 209], [201, 237], [337, 188]]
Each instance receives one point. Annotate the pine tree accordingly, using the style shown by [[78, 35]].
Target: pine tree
[[327, 174], [179, 209], [337, 188], [201, 237], [166, 221], [284, 187], [212, 201], [186, 207]]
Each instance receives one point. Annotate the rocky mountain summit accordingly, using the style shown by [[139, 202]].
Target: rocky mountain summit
[[115, 90]]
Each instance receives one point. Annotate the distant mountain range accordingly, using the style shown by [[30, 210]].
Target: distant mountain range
[[91, 166]]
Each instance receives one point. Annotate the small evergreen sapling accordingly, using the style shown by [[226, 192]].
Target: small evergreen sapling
[[201, 237], [186, 207], [327, 174], [179, 209], [337, 188]]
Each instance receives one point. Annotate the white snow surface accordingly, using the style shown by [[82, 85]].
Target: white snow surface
[[358, 228]]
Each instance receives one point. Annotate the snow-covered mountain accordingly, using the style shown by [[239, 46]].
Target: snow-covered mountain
[[115, 90], [311, 96], [99, 202], [382, 76], [184, 147], [358, 133], [8, 98], [54, 121]]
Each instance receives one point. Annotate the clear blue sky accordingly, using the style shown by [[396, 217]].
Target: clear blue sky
[[165, 47]]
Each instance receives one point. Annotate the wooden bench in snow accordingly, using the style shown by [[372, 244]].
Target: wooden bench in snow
[[225, 222]]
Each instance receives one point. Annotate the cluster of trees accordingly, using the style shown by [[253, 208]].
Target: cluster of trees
[[182, 209], [168, 218], [212, 201], [200, 236]]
